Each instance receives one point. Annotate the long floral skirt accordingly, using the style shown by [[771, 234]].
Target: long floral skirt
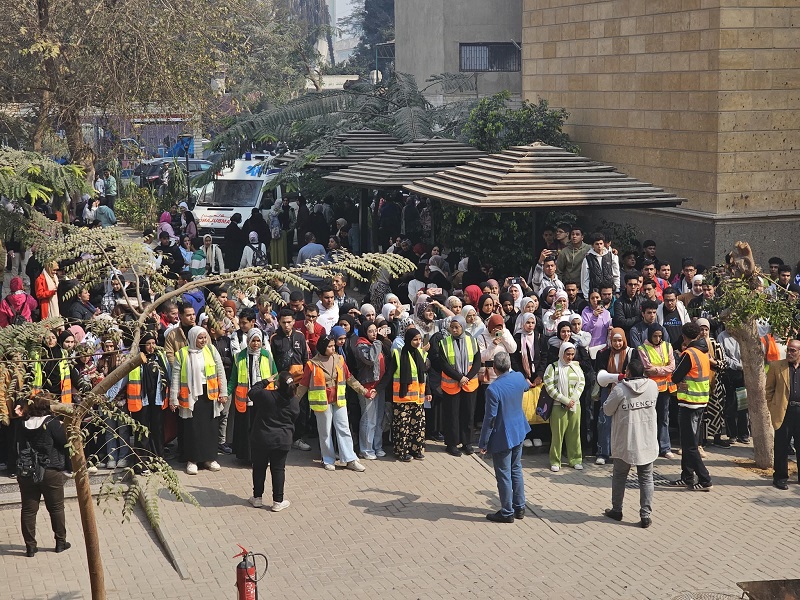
[[408, 428]]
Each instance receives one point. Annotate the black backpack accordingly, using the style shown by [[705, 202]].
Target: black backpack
[[31, 463], [17, 319], [259, 258]]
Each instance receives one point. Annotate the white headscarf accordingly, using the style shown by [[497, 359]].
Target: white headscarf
[[477, 328], [387, 310], [520, 322], [367, 309], [254, 357], [196, 367], [565, 367], [518, 301]]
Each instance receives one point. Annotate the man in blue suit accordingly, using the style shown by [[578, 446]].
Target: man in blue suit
[[504, 429]]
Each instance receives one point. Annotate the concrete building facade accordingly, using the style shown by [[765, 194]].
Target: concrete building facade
[[451, 36], [701, 97]]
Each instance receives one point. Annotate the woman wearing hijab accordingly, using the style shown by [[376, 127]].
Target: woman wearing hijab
[[528, 358], [379, 290], [116, 435], [613, 359], [474, 274], [147, 394], [389, 314], [658, 360], [46, 286], [437, 277], [53, 373], [713, 414], [475, 326], [199, 393], [255, 253], [165, 224], [186, 252], [425, 318], [251, 366], [459, 361], [274, 414], [558, 312], [495, 338], [324, 378], [546, 299], [579, 336], [508, 309], [485, 307], [345, 335], [368, 314], [564, 382], [409, 393], [17, 304], [472, 296], [372, 368]]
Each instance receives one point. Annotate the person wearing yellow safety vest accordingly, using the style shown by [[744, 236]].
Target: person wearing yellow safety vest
[[659, 364], [147, 394], [198, 392], [459, 359], [410, 391], [54, 373], [692, 375], [324, 378], [251, 366]]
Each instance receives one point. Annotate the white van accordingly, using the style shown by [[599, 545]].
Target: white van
[[239, 189]]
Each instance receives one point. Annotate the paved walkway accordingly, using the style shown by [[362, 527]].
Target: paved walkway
[[417, 530]]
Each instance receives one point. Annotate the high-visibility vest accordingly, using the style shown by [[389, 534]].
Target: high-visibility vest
[[212, 380], [450, 385], [659, 357], [242, 379], [63, 373], [771, 352], [697, 380], [317, 394], [134, 387], [416, 389]]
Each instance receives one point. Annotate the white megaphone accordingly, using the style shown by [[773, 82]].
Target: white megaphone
[[604, 378]]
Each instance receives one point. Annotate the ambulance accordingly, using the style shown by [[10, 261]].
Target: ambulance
[[248, 184]]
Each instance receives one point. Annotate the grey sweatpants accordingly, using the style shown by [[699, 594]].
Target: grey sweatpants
[[645, 473]]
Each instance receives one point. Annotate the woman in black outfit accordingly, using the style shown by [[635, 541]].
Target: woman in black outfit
[[45, 434], [275, 412]]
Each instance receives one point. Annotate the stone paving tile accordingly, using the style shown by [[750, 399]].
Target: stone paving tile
[[419, 531]]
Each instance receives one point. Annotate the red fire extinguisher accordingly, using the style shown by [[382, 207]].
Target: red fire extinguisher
[[247, 575]]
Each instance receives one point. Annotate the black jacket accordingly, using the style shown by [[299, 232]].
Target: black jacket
[[627, 312], [272, 420], [288, 350], [223, 346], [539, 359], [48, 441], [171, 257]]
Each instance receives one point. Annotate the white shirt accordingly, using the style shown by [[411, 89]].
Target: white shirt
[[328, 317]]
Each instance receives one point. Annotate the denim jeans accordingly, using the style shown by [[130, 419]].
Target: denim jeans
[[370, 431], [662, 420], [691, 461], [510, 486], [603, 427], [645, 473], [116, 440], [335, 416]]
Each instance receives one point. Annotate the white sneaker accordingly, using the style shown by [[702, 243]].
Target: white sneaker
[[600, 461], [354, 465], [669, 455], [579, 467], [279, 506], [363, 456], [555, 468], [526, 443], [537, 443], [301, 445], [213, 466], [380, 453], [91, 469], [329, 467], [191, 468], [255, 502]]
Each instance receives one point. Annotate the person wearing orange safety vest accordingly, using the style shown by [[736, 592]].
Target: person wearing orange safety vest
[[410, 391], [252, 365], [659, 364], [324, 378], [198, 392], [692, 376], [147, 395], [459, 360]]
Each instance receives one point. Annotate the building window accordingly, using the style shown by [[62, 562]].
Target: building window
[[490, 57]]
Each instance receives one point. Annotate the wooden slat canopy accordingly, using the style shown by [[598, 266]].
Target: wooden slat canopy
[[406, 163], [539, 177], [354, 147]]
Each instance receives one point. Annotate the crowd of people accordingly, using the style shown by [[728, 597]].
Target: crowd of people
[[618, 345]]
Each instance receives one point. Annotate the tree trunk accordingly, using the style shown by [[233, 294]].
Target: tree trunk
[[86, 507], [80, 153], [755, 380], [42, 122]]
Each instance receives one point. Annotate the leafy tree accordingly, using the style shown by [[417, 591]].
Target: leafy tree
[[89, 255], [743, 305], [373, 22], [28, 177], [503, 238]]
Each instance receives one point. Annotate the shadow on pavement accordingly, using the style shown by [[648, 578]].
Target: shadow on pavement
[[407, 506]]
